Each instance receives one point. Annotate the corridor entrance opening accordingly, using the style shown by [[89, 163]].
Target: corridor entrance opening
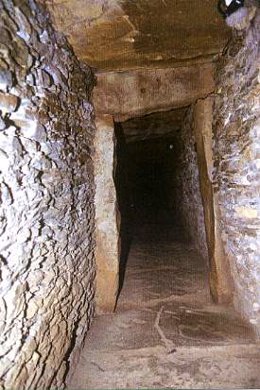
[[149, 166], [165, 331], [156, 170], [157, 185]]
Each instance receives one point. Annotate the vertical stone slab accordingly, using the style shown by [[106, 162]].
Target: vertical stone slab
[[186, 188], [107, 216], [220, 277]]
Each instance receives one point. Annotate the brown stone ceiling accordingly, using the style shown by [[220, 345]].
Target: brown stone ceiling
[[129, 34], [159, 124]]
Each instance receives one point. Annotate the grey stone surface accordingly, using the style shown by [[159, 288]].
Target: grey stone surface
[[107, 219], [236, 176], [186, 187], [46, 200], [166, 332]]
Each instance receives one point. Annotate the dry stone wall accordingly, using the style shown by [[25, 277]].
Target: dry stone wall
[[46, 200], [237, 163]]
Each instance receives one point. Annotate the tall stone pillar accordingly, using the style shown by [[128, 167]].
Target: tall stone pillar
[[220, 275], [107, 251]]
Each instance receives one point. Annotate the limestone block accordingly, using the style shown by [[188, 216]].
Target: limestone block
[[136, 93], [107, 223], [186, 187], [220, 278], [121, 35]]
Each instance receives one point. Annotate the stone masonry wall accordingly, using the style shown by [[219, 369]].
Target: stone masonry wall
[[46, 200], [237, 164], [187, 196]]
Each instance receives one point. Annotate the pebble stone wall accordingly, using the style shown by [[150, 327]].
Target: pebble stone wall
[[46, 200]]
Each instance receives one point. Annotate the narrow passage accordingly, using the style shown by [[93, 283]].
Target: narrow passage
[[166, 332]]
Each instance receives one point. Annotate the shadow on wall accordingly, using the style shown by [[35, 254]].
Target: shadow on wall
[[124, 201]]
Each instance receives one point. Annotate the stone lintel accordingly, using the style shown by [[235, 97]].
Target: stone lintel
[[125, 95]]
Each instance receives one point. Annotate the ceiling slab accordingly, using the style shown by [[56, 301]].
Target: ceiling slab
[[130, 34], [157, 125], [129, 94]]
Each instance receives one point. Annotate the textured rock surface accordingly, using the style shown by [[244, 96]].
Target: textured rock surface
[[220, 277], [186, 187], [237, 132], [107, 216], [154, 125], [127, 34], [166, 333], [135, 93], [46, 200]]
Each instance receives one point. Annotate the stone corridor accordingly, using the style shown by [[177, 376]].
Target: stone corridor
[[166, 332], [129, 194]]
